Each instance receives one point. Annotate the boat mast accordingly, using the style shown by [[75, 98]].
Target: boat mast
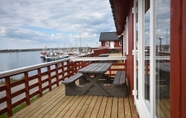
[[80, 39]]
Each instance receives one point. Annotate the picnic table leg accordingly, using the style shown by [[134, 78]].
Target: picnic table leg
[[83, 81], [93, 82]]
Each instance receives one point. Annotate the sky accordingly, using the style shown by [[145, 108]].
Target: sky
[[53, 23], [162, 23]]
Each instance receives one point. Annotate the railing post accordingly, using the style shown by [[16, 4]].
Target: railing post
[[40, 82], [63, 72], [68, 69], [57, 75], [126, 68], [49, 78], [75, 67], [8, 95], [27, 88], [80, 63]]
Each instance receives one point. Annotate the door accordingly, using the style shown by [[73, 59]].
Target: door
[[112, 44], [152, 58]]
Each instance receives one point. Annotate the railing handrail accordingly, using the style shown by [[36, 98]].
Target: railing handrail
[[33, 67], [99, 58]]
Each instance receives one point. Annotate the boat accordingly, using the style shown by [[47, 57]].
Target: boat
[[43, 53], [74, 52], [52, 56]]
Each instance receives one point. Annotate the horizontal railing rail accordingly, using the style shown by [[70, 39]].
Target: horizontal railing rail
[[99, 58]]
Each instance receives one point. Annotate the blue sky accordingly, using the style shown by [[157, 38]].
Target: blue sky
[[37, 23]]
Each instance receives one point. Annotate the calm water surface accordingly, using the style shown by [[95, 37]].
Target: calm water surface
[[13, 60]]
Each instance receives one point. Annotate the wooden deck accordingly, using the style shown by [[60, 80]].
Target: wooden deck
[[163, 108], [56, 105]]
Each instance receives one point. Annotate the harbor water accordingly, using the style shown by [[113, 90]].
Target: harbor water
[[14, 60]]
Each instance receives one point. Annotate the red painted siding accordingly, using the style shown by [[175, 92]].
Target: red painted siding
[[103, 43], [130, 66], [178, 59], [117, 44], [183, 93]]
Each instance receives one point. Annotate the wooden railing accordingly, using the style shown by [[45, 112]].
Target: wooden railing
[[46, 76]]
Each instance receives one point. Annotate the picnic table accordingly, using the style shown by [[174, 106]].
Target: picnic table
[[95, 79]]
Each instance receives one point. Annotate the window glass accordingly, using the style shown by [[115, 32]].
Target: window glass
[[107, 43], [136, 48], [147, 50], [163, 58]]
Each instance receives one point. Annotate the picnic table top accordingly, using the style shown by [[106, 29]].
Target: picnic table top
[[95, 68]]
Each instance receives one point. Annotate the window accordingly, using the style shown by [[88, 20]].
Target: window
[[120, 43], [107, 43]]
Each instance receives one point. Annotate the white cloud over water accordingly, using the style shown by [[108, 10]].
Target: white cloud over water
[[36, 23]]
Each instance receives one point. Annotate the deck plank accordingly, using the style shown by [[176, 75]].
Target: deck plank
[[84, 108], [90, 107], [55, 104], [121, 108], [73, 107], [55, 108], [96, 107], [102, 108], [114, 108], [79, 107], [67, 107], [127, 108], [108, 108], [69, 98], [49, 106], [133, 109]]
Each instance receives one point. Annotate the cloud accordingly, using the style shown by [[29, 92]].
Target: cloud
[[162, 22], [52, 22]]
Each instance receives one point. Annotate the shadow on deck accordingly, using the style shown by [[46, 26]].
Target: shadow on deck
[[56, 105]]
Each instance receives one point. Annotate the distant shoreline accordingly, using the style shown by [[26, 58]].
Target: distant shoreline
[[19, 50], [27, 50]]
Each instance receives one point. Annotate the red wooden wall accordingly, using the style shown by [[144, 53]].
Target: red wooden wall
[[178, 59], [103, 43], [130, 59], [184, 60]]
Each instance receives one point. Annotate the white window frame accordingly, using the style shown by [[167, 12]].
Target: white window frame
[[125, 38], [144, 110], [135, 51]]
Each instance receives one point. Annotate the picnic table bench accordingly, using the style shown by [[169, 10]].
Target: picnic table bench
[[119, 85], [119, 78], [72, 79]]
